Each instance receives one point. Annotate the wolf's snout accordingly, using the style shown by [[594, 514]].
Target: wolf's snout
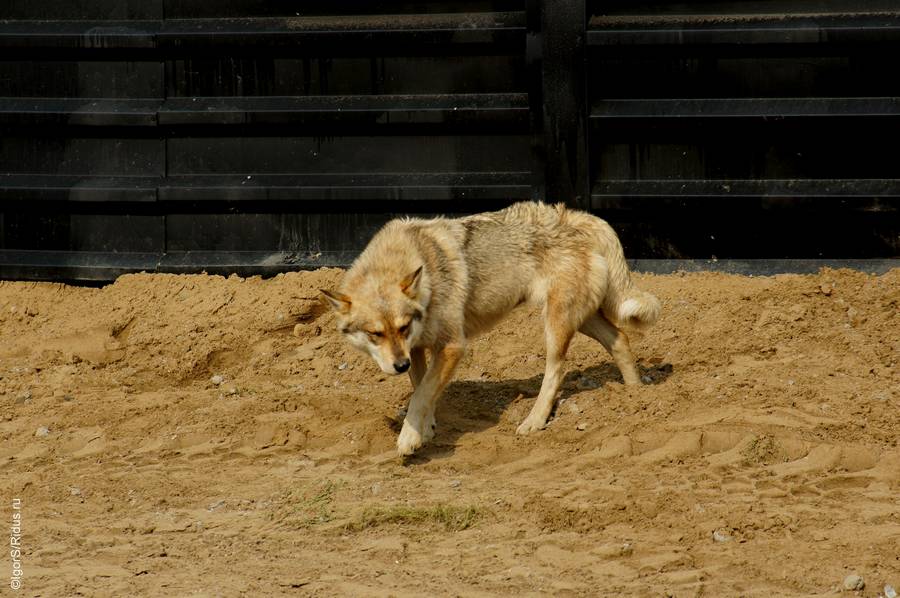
[[401, 365]]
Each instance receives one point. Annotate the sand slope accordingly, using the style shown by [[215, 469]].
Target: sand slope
[[761, 460]]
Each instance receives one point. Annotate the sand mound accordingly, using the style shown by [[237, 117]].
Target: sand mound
[[761, 459]]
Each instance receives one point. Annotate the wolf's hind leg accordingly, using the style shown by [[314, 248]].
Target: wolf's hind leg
[[558, 332], [616, 342], [418, 367]]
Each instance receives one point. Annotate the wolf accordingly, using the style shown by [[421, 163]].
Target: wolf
[[434, 284]]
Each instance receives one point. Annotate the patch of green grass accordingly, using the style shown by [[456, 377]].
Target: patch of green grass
[[451, 518], [307, 508], [320, 503]]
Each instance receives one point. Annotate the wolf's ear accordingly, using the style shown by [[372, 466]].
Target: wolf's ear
[[410, 284], [338, 301]]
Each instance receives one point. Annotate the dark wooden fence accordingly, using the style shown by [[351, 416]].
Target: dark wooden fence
[[260, 136]]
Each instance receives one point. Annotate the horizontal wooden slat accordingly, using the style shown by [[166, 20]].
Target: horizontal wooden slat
[[360, 23], [375, 109], [263, 32], [875, 195], [760, 267], [78, 112], [74, 265], [87, 35], [418, 186], [107, 266], [194, 9], [387, 109], [738, 29], [745, 107], [15, 189]]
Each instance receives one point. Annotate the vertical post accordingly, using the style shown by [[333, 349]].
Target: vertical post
[[534, 49], [563, 25]]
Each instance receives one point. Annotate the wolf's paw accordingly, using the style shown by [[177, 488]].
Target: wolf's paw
[[409, 440], [531, 424]]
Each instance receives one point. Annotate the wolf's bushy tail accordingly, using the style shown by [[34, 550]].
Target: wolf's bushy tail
[[639, 309], [625, 303]]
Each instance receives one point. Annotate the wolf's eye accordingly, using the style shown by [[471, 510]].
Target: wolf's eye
[[404, 330], [374, 335]]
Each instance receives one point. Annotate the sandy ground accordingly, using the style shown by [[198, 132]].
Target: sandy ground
[[762, 458]]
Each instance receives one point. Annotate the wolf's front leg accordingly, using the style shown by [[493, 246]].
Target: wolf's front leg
[[418, 427], [418, 367]]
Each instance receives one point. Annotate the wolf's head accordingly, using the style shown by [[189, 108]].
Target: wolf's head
[[383, 321]]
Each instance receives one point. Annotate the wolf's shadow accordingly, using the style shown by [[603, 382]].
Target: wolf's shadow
[[469, 406]]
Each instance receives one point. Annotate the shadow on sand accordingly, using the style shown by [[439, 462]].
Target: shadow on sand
[[469, 406]]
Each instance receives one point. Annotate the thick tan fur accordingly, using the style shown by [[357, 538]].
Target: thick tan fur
[[435, 284]]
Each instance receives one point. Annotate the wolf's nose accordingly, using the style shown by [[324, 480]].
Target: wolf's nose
[[401, 366]]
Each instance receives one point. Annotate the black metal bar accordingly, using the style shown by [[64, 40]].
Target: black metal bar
[[565, 102]]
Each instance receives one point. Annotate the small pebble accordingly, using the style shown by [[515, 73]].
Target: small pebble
[[573, 407], [854, 582], [343, 366], [720, 536], [68, 398], [42, 431], [23, 398], [856, 319], [232, 391], [646, 379], [215, 505], [889, 591], [586, 383], [298, 330], [455, 484], [581, 427], [75, 491], [217, 379]]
